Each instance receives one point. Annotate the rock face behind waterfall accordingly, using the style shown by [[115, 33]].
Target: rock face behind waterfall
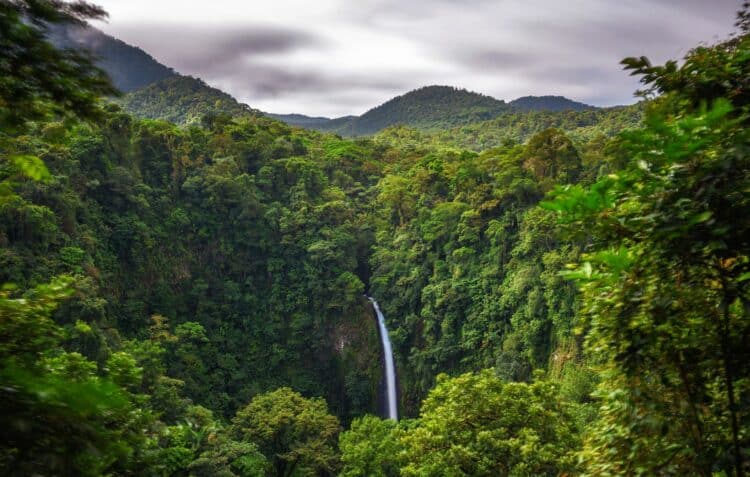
[[359, 371]]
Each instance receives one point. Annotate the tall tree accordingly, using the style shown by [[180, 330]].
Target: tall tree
[[666, 285], [297, 435], [37, 79], [478, 425]]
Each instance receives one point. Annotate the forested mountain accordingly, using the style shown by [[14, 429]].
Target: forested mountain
[[154, 91], [129, 67], [548, 103], [582, 126], [434, 108], [338, 125], [431, 107], [185, 100], [427, 108], [567, 293], [318, 123], [181, 100], [157, 92]]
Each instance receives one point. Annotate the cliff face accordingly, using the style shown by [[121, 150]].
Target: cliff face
[[359, 362]]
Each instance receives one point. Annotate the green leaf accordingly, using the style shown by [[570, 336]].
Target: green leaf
[[702, 217], [31, 167]]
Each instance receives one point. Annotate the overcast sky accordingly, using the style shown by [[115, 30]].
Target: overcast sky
[[338, 57]]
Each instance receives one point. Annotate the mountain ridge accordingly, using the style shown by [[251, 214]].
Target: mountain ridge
[[446, 107], [156, 91], [129, 67], [549, 103]]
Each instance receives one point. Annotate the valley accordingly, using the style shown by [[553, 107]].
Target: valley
[[447, 284]]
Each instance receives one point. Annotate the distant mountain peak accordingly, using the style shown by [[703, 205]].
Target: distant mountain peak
[[157, 91], [429, 107], [433, 107], [548, 103], [129, 67], [426, 108], [442, 92]]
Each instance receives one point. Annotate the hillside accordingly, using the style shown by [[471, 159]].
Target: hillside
[[181, 100], [339, 125], [548, 103], [427, 108], [306, 122], [431, 107], [157, 92], [434, 108], [129, 67], [519, 126], [153, 91]]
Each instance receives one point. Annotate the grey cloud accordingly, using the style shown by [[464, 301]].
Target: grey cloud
[[232, 59], [564, 75], [272, 81], [596, 39], [257, 80], [374, 11], [579, 55], [194, 49], [701, 7], [493, 60], [258, 37], [505, 48], [592, 85]]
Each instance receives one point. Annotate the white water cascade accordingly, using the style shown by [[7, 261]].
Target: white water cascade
[[390, 368]]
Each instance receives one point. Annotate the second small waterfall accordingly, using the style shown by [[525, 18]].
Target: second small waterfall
[[390, 368]]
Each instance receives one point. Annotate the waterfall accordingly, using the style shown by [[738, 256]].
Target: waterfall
[[390, 368]]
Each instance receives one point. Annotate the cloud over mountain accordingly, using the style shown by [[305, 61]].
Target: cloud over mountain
[[334, 57]]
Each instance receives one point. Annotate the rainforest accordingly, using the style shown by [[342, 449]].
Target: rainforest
[[191, 286]]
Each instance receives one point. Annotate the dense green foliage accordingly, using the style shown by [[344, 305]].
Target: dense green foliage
[[582, 126], [436, 108], [315, 123], [427, 108], [466, 267], [297, 435], [476, 424], [244, 239], [370, 448], [665, 282], [590, 130], [431, 107], [182, 100], [187, 300], [156, 298]]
